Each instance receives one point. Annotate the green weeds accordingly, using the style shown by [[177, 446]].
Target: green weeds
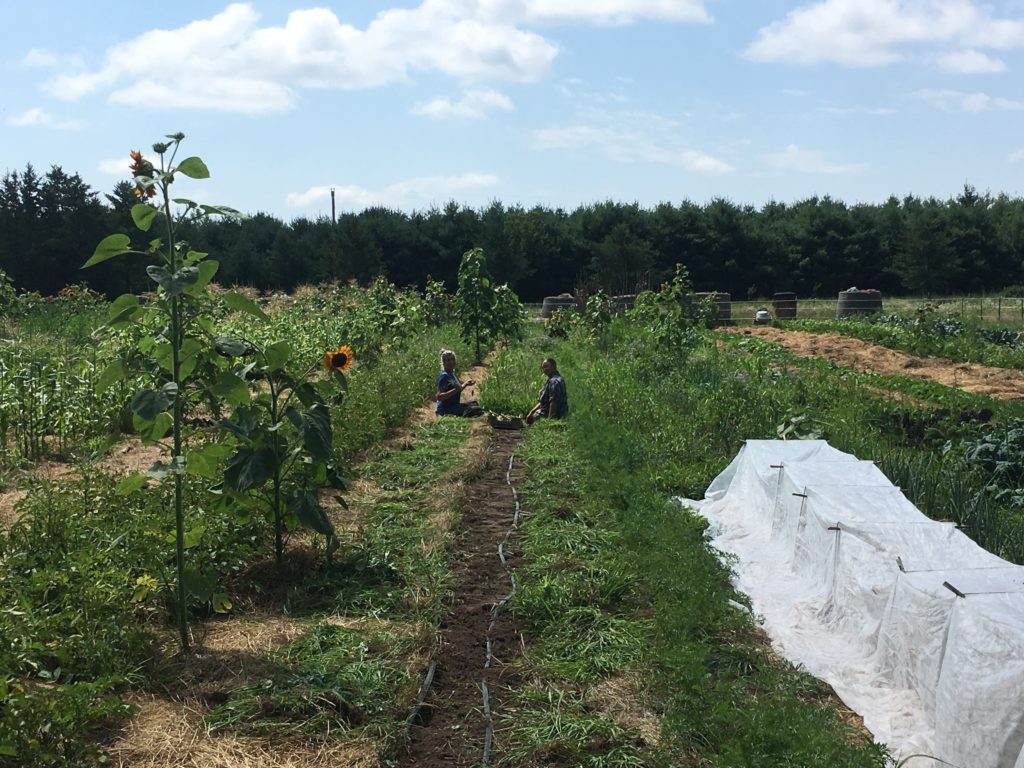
[[619, 577], [334, 680]]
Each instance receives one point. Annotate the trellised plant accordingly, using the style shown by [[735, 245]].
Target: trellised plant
[[180, 336]]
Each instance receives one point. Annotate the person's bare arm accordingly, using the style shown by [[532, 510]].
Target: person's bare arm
[[448, 394]]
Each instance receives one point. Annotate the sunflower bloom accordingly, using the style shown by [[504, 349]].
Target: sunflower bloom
[[338, 359], [142, 167]]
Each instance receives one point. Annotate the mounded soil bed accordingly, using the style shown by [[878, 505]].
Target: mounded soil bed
[[998, 383]]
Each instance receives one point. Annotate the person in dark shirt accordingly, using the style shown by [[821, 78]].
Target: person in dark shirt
[[449, 390], [553, 401]]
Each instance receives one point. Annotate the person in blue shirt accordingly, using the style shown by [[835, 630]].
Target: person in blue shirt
[[449, 390], [553, 401]]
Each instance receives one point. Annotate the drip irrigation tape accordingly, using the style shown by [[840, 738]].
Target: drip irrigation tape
[[489, 732], [496, 612], [422, 695]]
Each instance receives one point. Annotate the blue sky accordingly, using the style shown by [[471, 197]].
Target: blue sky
[[553, 102]]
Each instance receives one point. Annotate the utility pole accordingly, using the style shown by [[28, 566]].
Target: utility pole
[[334, 219]]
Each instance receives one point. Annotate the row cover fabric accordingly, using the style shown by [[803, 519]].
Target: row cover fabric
[[916, 627]]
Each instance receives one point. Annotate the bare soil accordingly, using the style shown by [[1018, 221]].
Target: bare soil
[[998, 383], [452, 726]]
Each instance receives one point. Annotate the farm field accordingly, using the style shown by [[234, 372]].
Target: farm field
[[549, 567], [850, 352]]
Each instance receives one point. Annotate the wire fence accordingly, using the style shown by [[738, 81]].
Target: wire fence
[[989, 310], [1003, 311]]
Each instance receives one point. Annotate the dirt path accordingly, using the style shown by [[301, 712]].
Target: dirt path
[[998, 383], [453, 724]]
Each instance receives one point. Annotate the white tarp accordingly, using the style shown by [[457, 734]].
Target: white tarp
[[916, 628]]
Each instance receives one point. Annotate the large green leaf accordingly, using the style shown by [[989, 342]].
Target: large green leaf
[[207, 269], [199, 585], [109, 247], [222, 210], [278, 354], [188, 358], [236, 302], [306, 507], [220, 602], [193, 536], [244, 422], [149, 403], [134, 482], [122, 310], [315, 425], [194, 168], [173, 284], [250, 467], [144, 215], [231, 389], [113, 373], [230, 347], [309, 394], [206, 461], [151, 432]]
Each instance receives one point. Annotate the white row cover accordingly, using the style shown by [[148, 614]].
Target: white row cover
[[916, 627]]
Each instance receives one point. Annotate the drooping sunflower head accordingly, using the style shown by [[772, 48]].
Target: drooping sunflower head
[[338, 359], [142, 167]]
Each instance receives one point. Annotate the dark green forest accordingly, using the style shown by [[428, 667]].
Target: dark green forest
[[973, 243]]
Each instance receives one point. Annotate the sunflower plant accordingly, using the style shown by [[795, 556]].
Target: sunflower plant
[[178, 334], [281, 443]]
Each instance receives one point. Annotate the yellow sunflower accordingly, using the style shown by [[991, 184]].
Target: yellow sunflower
[[338, 359]]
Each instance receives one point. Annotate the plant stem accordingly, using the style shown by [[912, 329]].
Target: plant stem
[[179, 505], [278, 538]]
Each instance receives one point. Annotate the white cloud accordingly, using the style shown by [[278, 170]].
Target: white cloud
[[1017, 157], [115, 166], [474, 104], [957, 101], [30, 117], [403, 194], [793, 159], [629, 146], [230, 62], [969, 62], [39, 117], [867, 33], [613, 12]]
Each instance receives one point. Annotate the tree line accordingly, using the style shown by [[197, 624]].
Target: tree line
[[972, 243]]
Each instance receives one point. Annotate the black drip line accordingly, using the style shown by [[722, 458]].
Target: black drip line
[[496, 612]]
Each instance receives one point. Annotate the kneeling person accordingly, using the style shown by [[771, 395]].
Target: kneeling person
[[449, 390], [553, 401]]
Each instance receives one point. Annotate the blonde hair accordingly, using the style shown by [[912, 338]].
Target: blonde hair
[[446, 353]]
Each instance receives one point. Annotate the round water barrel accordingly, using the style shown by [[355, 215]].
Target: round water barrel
[[784, 306], [858, 303], [723, 305], [551, 303]]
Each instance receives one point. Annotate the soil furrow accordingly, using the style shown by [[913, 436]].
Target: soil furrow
[[452, 725]]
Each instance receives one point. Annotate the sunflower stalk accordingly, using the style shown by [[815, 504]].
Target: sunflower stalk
[[181, 604], [179, 327]]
